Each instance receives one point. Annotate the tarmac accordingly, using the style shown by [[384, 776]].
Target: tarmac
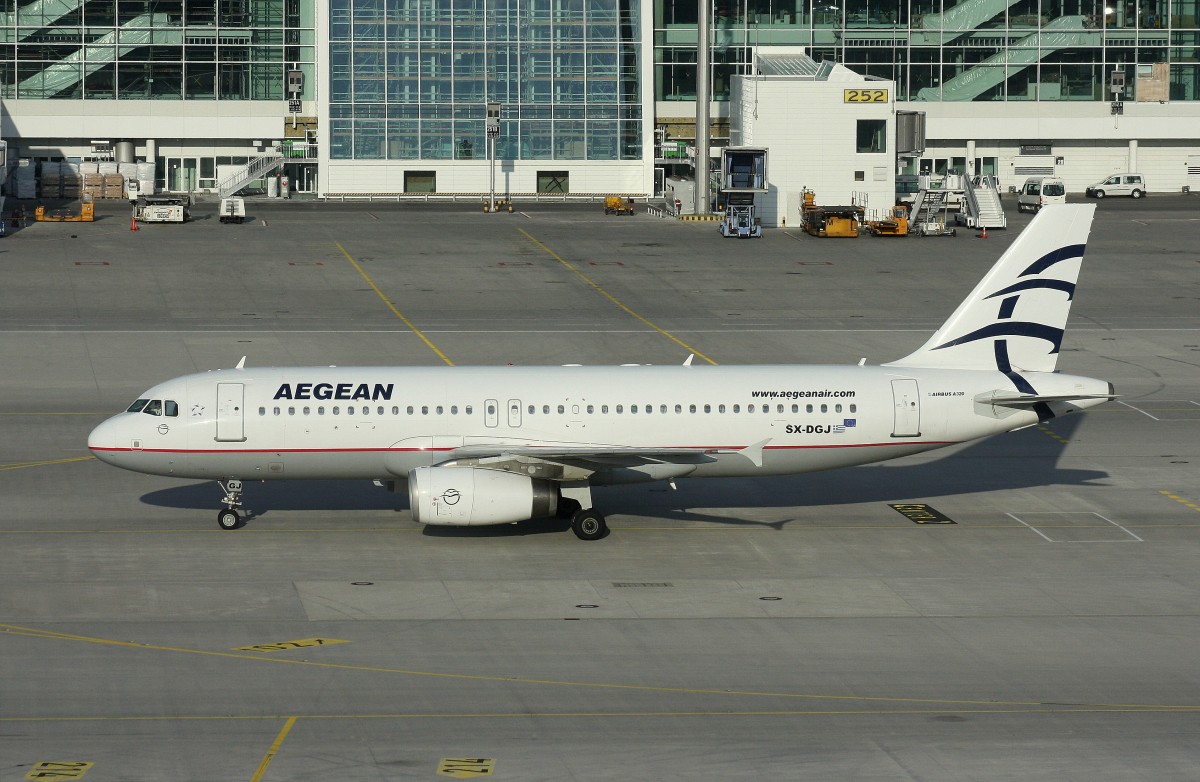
[[796, 628]]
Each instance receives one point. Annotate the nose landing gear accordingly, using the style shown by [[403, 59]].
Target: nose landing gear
[[228, 518]]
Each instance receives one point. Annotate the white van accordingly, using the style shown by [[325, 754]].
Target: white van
[[1132, 185], [1039, 192]]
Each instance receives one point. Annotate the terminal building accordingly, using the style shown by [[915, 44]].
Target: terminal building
[[387, 97]]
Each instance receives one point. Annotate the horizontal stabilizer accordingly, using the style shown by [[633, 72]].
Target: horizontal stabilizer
[[1029, 400]]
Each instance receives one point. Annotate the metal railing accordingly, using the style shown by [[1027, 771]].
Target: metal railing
[[255, 169]]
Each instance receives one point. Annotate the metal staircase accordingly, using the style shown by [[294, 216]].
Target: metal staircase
[[255, 169], [929, 213], [981, 205]]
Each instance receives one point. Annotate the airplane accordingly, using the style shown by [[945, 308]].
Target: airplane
[[499, 445]]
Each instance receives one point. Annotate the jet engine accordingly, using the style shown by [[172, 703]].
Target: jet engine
[[463, 496]]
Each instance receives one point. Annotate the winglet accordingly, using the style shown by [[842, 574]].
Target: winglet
[[241, 364], [688, 361]]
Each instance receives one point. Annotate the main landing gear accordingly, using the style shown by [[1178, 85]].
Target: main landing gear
[[228, 518], [587, 524], [574, 502]]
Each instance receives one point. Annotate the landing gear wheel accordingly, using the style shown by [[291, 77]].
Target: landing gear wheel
[[587, 524], [229, 519]]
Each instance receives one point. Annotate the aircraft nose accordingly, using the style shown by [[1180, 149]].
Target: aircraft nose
[[105, 441]]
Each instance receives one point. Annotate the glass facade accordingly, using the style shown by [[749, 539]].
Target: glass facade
[[409, 79], [996, 50], [153, 49]]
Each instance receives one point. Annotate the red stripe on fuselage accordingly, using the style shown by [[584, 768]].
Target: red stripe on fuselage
[[725, 448]]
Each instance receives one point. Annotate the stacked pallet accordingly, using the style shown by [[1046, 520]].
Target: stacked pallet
[[71, 180], [113, 185], [92, 180], [51, 183], [145, 178], [25, 179]]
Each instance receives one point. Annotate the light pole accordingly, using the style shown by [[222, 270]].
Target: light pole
[[493, 132], [702, 94]]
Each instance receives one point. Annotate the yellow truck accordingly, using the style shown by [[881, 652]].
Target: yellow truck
[[830, 220], [895, 224], [617, 205]]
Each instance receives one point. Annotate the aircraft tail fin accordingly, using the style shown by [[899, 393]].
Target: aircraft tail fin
[[1015, 318]]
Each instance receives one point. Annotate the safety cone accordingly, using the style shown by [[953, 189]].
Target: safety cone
[[982, 235], [133, 226]]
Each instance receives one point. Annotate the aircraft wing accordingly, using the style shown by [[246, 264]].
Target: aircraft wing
[[600, 458]]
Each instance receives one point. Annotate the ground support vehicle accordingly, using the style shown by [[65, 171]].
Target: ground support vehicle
[[843, 221], [740, 221], [616, 205], [233, 210], [86, 213], [162, 209], [1132, 185], [895, 224]]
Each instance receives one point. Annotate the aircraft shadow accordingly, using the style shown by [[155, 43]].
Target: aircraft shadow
[[1025, 459]]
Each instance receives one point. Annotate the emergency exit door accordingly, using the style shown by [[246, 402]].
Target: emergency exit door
[[907, 420], [230, 413]]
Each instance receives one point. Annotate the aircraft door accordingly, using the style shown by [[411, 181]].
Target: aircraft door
[[491, 413], [514, 413], [907, 402], [230, 413]]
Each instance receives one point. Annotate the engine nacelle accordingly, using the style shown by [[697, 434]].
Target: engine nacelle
[[463, 496]]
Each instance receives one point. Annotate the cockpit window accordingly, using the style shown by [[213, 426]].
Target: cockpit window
[[171, 408], [137, 406], [153, 407]]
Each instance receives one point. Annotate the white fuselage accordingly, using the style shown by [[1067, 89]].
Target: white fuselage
[[381, 422]]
